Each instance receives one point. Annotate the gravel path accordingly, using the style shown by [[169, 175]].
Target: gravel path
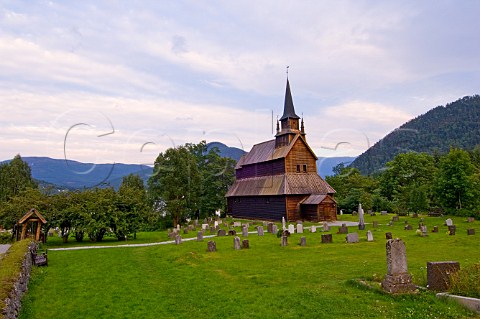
[[4, 248]]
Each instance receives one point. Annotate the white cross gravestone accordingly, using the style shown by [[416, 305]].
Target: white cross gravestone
[[291, 229]]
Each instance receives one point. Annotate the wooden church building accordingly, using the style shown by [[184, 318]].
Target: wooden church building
[[278, 178]]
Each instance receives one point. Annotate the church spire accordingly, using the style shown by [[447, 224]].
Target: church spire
[[288, 108]]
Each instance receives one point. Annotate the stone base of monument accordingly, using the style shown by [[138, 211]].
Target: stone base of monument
[[398, 284]]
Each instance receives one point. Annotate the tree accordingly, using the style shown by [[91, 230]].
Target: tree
[[176, 183], [407, 181], [131, 206], [15, 177], [456, 184]]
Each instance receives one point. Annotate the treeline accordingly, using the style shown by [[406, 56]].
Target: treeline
[[455, 125], [187, 182], [414, 182]]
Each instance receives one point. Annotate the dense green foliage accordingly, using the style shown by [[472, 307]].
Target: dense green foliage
[[10, 267], [188, 181], [414, 182], [454, 125], [265, 281]]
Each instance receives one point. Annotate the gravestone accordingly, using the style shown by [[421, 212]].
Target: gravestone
[[236, 243], [352, 238], [414, 215], [390, 223], [269, 227], [369, 235], [388, 235], [420, 225], [284, 241], [470, 219], [384, 212], [470, 231], [260, 231], [423, 229], [327, 238], [178, 240], [408, 227], [438, 274], [212, 230], [215, 224], [397, 279], [237, 224], [221, 232], [395, 218], [185, 231], [452, 229], [199, 236], [375, 224], [299, 229], [204, 226], [245, 244], [232, 232], [284, 227], [291, 229], [449, 222], [313, 229], [274, 229], [361, 220], [343, 229], [211, 246], [303, 241], [435, 229], [326, 227], [244, 231]]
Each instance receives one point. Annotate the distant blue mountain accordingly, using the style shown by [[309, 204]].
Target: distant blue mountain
[[226, 151], [74, 175], [325, 165]]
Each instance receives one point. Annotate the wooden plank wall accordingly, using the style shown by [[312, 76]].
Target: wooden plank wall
[[299, 155], [257, 207], [293, 207], [262, 169]]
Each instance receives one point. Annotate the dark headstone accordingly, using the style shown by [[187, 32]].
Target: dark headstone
[[303, 241], [452, 229], [470, 219], [327, 238], [284, 240], [245, 244], [361, 226], [221, 232], [435, 229], [470, 231], [185, 230], [178, 239], [408, 227], [414, 215], [395, 218], [343, 229], [388, 235], [211, 246], [438, 274], [199, 236], [375, 224], [352, 238], [269, 227], [232, 232]]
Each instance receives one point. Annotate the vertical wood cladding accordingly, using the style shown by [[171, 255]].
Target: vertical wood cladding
[[262, 169], [293, 207], [257, 207], [300, 155]]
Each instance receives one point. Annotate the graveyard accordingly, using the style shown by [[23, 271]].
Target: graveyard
[[265, 280]]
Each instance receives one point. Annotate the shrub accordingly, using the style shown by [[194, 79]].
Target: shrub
[[10, 267], [5, 238], [466, 282]]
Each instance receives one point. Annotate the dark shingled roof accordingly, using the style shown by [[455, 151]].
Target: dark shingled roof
[[288, 108], [284, 184]]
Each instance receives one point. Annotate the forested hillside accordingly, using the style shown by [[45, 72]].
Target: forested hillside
[[456, 124]]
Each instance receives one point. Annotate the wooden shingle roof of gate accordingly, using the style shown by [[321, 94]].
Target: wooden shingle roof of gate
[[31, 213]]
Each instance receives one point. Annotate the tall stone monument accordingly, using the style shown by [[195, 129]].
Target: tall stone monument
[[361, 220], [397, 280]]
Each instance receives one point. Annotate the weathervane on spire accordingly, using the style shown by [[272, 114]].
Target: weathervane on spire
[[287, 70]]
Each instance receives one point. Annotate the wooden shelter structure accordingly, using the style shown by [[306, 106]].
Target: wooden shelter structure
[[31, 223], [278, 178]]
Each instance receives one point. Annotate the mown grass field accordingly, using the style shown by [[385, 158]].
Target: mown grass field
[[265, 281]]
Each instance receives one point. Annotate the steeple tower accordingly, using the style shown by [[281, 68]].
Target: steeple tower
[[290, 122]]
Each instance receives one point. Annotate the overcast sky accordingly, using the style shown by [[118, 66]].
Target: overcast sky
[[121, 81]]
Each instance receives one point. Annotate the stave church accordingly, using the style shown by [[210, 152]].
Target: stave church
[[278, 178]]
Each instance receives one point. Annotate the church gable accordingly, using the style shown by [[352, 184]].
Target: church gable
[[300, 158]]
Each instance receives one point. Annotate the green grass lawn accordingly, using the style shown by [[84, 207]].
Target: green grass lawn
[[265, 281]]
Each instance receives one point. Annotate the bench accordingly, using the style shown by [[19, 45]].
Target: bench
[[39, 260]]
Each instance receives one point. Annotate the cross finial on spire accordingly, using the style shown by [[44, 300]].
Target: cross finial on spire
[[287, 70]]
